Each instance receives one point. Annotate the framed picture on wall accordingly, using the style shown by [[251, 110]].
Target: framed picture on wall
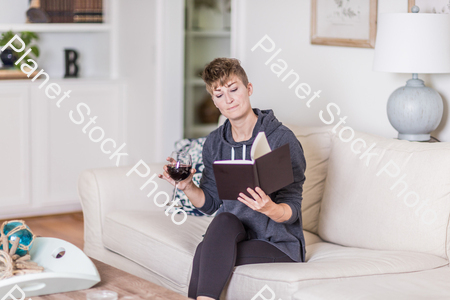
[[431, 6], [350, 23]]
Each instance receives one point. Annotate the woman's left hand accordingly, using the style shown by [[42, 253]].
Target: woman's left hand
[[260, 202]]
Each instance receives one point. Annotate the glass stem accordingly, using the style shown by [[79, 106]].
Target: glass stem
[[172, 203], [174, 192]]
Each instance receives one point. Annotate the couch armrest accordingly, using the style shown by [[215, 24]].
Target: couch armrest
[[109, 189]]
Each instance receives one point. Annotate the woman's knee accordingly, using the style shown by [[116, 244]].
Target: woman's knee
[[226, 220]]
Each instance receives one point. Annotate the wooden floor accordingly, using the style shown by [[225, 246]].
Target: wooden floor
[[123, 283], [68, 227]]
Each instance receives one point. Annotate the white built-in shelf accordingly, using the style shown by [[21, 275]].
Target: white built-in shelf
[[208, 33], [202, 45], [56, 27]]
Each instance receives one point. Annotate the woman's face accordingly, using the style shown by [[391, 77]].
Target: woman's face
[[233, 99]]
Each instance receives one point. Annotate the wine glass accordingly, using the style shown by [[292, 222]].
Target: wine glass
[[178, 168]]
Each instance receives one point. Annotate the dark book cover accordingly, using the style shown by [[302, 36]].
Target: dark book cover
[[270, 172]]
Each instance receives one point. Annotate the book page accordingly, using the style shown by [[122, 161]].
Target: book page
[[260, 146]]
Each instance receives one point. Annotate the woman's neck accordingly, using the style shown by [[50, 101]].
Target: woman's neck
[[242, 129]]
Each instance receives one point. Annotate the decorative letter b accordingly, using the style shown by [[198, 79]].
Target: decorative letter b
[[71, 66]]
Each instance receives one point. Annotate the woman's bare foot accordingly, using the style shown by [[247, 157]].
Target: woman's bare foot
[[204, 298]]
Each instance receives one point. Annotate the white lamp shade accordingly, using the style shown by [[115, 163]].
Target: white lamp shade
[[413, 43]]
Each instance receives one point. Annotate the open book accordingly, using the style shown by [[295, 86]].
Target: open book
[[269, 170]]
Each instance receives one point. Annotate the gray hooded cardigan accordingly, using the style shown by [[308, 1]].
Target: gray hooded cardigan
[[220, 145]]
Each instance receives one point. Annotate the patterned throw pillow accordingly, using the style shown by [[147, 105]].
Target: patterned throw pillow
[[194, 147]]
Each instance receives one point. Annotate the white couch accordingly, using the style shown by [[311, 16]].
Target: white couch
[[364, 240]]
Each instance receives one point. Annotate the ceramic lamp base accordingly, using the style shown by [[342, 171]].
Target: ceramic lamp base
[[414, 137], [415, 110]]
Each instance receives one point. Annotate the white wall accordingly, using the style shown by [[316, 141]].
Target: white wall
[[136, 45], [150, 50], [170, 76], [343, 74], [16, 15]]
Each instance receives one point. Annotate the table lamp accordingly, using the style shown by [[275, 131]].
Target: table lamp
[[413, 43]]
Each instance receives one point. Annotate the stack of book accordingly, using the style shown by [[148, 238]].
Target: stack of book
[[59, 11], [88, 11], [73, 11]]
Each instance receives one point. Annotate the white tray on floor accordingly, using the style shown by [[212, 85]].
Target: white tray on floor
[[71, 272]]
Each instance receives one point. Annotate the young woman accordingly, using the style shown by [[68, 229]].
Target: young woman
[[261, 229]]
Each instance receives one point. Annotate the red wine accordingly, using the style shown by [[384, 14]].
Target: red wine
[[180, 173]]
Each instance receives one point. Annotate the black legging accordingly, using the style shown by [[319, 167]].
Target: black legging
[[223, 247]]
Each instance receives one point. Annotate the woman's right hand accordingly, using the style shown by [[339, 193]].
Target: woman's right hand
[[182, 184]]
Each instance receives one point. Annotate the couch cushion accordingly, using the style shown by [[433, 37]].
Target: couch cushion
[[325, 262], [424, 285], [316, 143], [152, 240], [397, 199]]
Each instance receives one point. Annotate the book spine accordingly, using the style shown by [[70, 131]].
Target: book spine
[[78, 8], [75, 7], [53, 10], [59, 11], [65, 10], [43, 5], [50, 10], [71, 9], [56, 11], [48, 5], [100, 12]]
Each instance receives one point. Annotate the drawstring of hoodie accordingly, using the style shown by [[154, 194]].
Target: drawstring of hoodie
[[243, 152]]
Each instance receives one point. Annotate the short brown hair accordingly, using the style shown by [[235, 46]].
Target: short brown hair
[[219, 71]]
